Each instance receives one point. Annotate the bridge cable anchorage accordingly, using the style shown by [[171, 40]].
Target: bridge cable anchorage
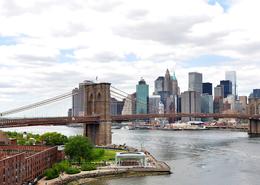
[[126, 96], [37, 104]]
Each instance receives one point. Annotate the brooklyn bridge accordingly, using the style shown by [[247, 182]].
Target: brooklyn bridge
[[97, 117]]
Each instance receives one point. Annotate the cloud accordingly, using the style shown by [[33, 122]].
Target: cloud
[[174, 30], [55, 44]]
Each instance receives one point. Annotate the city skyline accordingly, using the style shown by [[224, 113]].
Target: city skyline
[[49, 47]]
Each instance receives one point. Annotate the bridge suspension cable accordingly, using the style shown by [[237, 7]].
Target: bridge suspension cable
[[125, 95], [38, 104]]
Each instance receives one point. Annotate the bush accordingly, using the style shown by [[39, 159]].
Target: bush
[[62, 166], [54, 138], [72, 170], [98, 153], [88, 167], [51, 174]]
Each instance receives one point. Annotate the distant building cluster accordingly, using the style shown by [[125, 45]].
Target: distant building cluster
[[200, 97]]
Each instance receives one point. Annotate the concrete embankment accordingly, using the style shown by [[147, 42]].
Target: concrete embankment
[[88, 175], [85, 177]]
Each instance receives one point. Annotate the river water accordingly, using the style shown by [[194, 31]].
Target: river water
[[195, 157]]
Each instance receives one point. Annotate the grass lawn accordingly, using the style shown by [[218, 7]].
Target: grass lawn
[[109, 155]]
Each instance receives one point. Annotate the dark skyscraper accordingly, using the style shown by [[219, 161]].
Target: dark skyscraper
[[207, 88], [159, 85], [255, 94], [227, 87]]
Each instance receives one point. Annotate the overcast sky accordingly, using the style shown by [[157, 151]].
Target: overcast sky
[[48, 46]]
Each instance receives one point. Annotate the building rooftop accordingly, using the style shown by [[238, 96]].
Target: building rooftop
[[130, 154], [142, 82], [174, 76]]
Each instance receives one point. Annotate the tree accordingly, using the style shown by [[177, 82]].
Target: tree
[[78, 148], [54, 138]]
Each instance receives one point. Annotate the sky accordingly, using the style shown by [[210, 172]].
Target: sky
[[48, 46]]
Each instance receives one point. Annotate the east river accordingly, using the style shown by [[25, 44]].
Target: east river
[[195, 157]]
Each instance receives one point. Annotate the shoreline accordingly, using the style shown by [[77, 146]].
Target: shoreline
[[197, 130], [158, 168], [90, 176]]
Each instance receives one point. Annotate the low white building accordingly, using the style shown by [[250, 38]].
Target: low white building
[[131, 159]]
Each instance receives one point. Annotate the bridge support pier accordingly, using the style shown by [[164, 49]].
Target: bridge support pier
[[99, 134], [254, 128]]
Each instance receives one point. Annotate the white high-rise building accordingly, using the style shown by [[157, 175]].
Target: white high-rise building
[[129, 107], [232, 76]]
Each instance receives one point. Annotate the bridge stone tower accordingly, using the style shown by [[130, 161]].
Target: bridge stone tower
[[97, 103], [254, 124]]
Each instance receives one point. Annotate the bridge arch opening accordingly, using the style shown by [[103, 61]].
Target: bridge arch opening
[[90, 105], [98, 106], [258, 109], [252, 109]]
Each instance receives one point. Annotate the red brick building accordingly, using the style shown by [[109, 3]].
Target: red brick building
[[22, 164], [4, 140]]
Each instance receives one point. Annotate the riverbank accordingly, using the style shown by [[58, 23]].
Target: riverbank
[[154, 167], [89, 176]]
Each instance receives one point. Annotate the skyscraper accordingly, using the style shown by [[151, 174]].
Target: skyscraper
[[167, 82], [218, 99], [116, 106], [227, 87], [78, 99], [168, 89], [159, 85], [75, 102], [219, 91], [206, 105], [255, 94], [231, 76], [154, 102], [175, 87], [190, 103], [142, 93], [218, 104], [195, 82], [207, 88], [129, 105]]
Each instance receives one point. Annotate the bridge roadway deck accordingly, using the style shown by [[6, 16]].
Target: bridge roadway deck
[[23, 122], [19, 122]]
